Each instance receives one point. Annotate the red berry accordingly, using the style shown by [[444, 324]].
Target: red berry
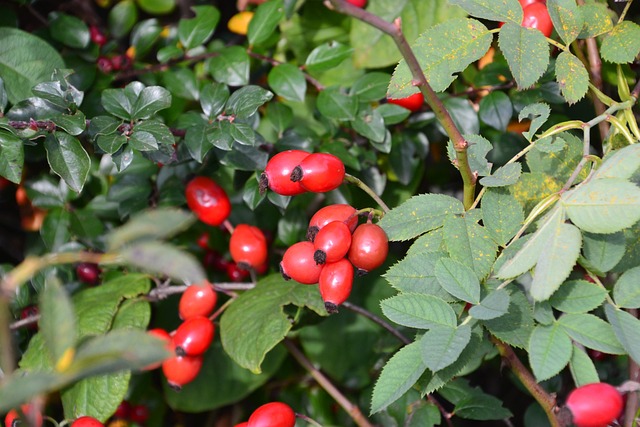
[[273, 414], [104, 65], [13, 416], [595, 405], [213, 259], [412, 103], [97, 36], [319, 172], [197, 300], [332, 242], [369, 247], [237, 274], [358, 3], [598, 355], [124, 408], [278, 170], [537, 16], [88, 273], [336, 280], [181, 370], [29, 312], [208, 201], [193, 337], [203, 241], [298, 264], [327, 214], [139, 414], [86, 422], [248, 246], [120, 62]]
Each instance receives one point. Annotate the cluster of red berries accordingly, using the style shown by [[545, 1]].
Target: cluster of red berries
[[138, 414], [536, 15], [192, 338], [104, 63], [14, 419], [273, 414], [336, 245]]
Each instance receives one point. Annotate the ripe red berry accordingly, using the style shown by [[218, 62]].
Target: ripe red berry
[[97, 36], [412, 103], [120, 62], [327, 214], [104, 65], [86, 422], [369, 247], [88, 273], [203, 241], [358, 3], [237, 274], [124, 408], [336, 280], [30, 312], [248, 246], [208, 201], [181, 370], [214, 260], [139, 414], [273, 414], [332, 242], [197, 300], [319, 172], [537, 16], [278, 170], [13, 419], [193, 337], [595, 405], [298, 264]]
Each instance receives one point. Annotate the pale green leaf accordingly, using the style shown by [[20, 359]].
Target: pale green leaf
[[550, 350], [492, 306], [165, 259], [503, 176], [502, 215], [470, 244], [493, 10], [626, 291], [458, 279], [627, 330], [622, 44], [592, 332], [567, 19], [442, 345], [623, 163], [539, 112], [516, 326], [572, 77], [418, 311], [582, 368], [526, 51], [597, 20], [578, 296], [416, 273]]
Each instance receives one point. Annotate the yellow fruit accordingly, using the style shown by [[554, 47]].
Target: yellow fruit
[[239, 23]]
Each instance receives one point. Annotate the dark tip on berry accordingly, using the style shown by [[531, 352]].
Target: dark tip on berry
[[264, 183], [285, 276], [320, 257], [330, 307], [360, 272], [175, 387], [311, 233], [180, 351], [244, 266], [296, 174]]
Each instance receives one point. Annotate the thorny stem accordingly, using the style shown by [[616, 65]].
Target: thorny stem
[[351, 409], [442, 114], [376, 319], [547, 401], [631, 407], [364, 187]]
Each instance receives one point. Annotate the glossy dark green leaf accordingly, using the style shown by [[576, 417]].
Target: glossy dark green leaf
[[68, 159], [245, 101], [73, 124], [264, 21], [370, 124], [213, 97], [150, 100], [182, 83], [196, 31], [103, 125], [111, 143], [371, 87], [333, 103], [288, 81], [243, 134], [280, 116], [11, 156], [231, 66], [393, 114], [68, 30], [196, 141], [220, 136], [157, 7], [55, 229], [496, 110], [145, 34], [327, 56], [122, 18], [143, 141], [251, 193]]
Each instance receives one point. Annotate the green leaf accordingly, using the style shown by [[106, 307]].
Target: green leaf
[[196, 31], [150, 100], [11, 156], [627, 330], [477, 152], [58, 323], [526, 51], [567, 19], [626, 291], [597, 20], [474, 404], [556, 261], [213, 98], [182, 83], [166, 259], [122, 17], [25, 60], [243, 134], [265, 21], [370, 124], [503, 176], [418, 215], [622, 44], [231, 66], [55, 229], [68, 30], [371, 87], [500, 10], [245, 101], [578, 296], [19, 387], [458, 279], [97, 397], [333, 103], [502, 215], [416, 273], [533, 187], [143, 141], [157, 7], [470, 244], [623, 163], [247, 343], [73, 124], [197, 142], [158, 223], [496, 110], [572, 77], [539, 112], [603, 205], [582, 369], [398, 375], [418, 311], [68, 159], [516, 326], [558, 163], [288, 81], [494, 305], [442, 345], [550, 350], [327, 56], [603, 251], [592, 332], [467, 40]]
